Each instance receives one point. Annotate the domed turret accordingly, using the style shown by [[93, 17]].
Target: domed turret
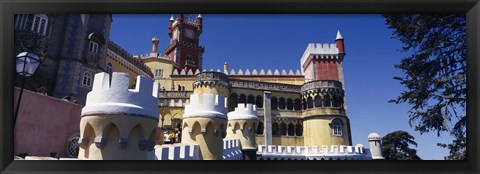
[[375, 146]]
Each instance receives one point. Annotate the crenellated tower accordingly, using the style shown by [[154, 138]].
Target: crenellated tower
[[184, 48], [119, 123], [325, 121], [205, 118], [242, 124]]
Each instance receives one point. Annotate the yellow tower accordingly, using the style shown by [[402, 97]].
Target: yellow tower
[[205, 120], [119, 123], [242, 125], [324, 118]]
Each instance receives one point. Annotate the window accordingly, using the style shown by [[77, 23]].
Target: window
[[158, 73], [337, 127], [109, 68], [87, 79], [21, 21], [40, 24], [190, 61], [93, 47], [73, 146]]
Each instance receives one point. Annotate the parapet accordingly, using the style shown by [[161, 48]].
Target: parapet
[[242, 112], [177, 152], [327, 51], [333, 152], [254, 72], [232, 150], [206, 105], [116, 98]]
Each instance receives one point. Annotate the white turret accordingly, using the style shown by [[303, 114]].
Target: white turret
[[375, 146]]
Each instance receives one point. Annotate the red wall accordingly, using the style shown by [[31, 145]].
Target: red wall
[[327, 70], [44, 124]]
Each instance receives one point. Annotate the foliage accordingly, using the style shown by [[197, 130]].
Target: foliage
[[395, 146], [435, 74]]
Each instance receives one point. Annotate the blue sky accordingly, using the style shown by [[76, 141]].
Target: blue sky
[[278, 42]]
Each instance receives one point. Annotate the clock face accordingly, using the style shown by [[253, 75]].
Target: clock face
[[189, 33]]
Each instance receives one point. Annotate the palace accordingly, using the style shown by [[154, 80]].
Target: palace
[[261, 114]]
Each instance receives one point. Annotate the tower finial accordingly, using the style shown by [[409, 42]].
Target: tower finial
[[339, 36], [171, 18], [199, 16]]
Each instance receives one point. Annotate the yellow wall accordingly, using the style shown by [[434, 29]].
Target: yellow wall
[[119, 67]]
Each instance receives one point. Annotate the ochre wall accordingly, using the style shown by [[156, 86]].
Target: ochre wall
[[317, 131]]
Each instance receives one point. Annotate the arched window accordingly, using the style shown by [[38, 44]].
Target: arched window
[[40, 23], [327, 101], [233, 101], [72, 145], [109, 68], [251, 99], [281, 103], [283, 129], [242, 99], [274, 103], [260, 128], [275, 131], [337, 127], [190, 61], [93, 47], [291, 129], [309, 102], [298, 104], [304, 104], [318, 101], [259, 101], [289, 104], [87, 79], [299, 130]]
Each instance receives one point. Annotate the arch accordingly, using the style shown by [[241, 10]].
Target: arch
[[275, 129], [297, 104], [327, 101], [251, 99], [232, 101], [109, 67], [274, 103], [112, 135], [89, 136], [283, 129], [318, 101], [135, 135], [223, 132], [236, 127], [309, 102], [260, 128], [209, 128], [242, 98], [245, 126], [94, 36], [40, 24], [281, 103], [304, 104], [337, 127], [299, 130], [291, 129], [167, 121], [289, 104], [259, 101]]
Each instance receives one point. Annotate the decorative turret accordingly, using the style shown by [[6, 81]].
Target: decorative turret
[[117, 122], [242, 124], [170, 23], [211, 83], [155, 42], [340, 45], [199, 23], [375, 142], [204, 123]]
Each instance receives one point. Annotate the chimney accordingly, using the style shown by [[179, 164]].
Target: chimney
[[155, 42], [199, 23]]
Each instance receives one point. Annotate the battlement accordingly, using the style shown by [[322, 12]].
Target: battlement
[[177, 152], [116, 98], [242, 112], [232, 150], [320, 51], [206, 105], [333, 152], [254, 72]]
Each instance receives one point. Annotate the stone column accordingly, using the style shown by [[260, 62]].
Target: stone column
[[267, 116]]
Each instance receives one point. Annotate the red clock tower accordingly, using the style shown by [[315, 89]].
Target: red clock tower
[[184, 48]]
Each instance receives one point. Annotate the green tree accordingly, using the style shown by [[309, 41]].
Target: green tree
[[434, 74], [395, 146]]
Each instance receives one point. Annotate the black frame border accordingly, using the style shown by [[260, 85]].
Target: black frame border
[[8, 7]]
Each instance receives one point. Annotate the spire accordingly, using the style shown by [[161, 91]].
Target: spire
[[199, 16], [339, 36], [171, 18]]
